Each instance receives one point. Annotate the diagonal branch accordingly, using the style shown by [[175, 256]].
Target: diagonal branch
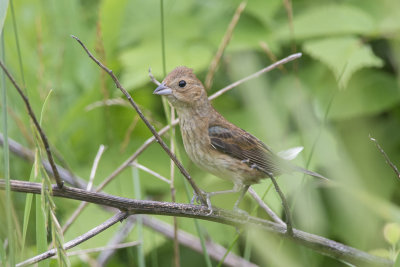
[[131, 206], [37, 125], [151, 128]]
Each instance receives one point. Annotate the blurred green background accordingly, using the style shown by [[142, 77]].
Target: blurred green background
[[345, 87]]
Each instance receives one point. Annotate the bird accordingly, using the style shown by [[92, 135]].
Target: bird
[[216, 145]]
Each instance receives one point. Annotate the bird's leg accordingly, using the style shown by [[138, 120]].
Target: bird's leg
[[236, 188], [242, 193], [289, 227]]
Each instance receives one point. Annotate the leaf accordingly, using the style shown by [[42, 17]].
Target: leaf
[[343, 55], [369, 92], [327, 21], [3, 13], [391, 232]]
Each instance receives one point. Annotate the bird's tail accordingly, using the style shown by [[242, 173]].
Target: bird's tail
[[305, 171]]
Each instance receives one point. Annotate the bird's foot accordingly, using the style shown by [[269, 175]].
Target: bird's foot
[[196, 198]]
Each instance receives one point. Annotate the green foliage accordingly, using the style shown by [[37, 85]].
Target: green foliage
[[343, 55], [349, 70]]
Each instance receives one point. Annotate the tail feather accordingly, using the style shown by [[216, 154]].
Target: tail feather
[[314, 174]]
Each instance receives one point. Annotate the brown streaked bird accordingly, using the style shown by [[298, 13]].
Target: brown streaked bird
[[215, 144]]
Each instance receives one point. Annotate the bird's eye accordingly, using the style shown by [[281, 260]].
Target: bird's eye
[[182, 83]]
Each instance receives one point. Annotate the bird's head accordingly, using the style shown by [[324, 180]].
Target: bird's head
[[182, 88]]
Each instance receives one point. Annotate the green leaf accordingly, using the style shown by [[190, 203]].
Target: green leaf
[[328, 21], [343, 55], [3, 13], [391, 232], [369, 92]]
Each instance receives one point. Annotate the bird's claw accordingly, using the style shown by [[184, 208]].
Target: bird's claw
[[196, 198]]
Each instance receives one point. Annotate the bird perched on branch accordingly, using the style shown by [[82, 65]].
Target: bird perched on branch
[[215, 144]]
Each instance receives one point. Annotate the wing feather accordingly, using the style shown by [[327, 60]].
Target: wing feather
[[245, 147]]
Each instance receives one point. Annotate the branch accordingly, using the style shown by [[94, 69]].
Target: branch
[[37, 125], [93, 232], [151, 128], [186, 239], [131, 206]]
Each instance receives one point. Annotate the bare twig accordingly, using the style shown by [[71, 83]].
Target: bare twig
[[224, 43], [254, 75], [118, 237], [388, 161], [151, 128], [82, 205], [106, 248], [131, 206], [94, 167], [93, 232], [267, 209], [37, 125], [155, 174]]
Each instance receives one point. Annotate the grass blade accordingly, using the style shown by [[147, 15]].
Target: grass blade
[[6, 171]]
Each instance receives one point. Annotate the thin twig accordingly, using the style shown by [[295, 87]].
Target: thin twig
[[82, 205], [37, 125], [388, 161], [267, 209], [74, 215], [118, 237], [94, 167], [106, 248], [155, 174], [132, 206], [151, 128], [82, 238], [222, 46], [254, 75]]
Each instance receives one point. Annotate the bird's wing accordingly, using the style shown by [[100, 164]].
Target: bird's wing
[[245, 147]]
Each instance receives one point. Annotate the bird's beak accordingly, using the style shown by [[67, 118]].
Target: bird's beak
[[162, 89]]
